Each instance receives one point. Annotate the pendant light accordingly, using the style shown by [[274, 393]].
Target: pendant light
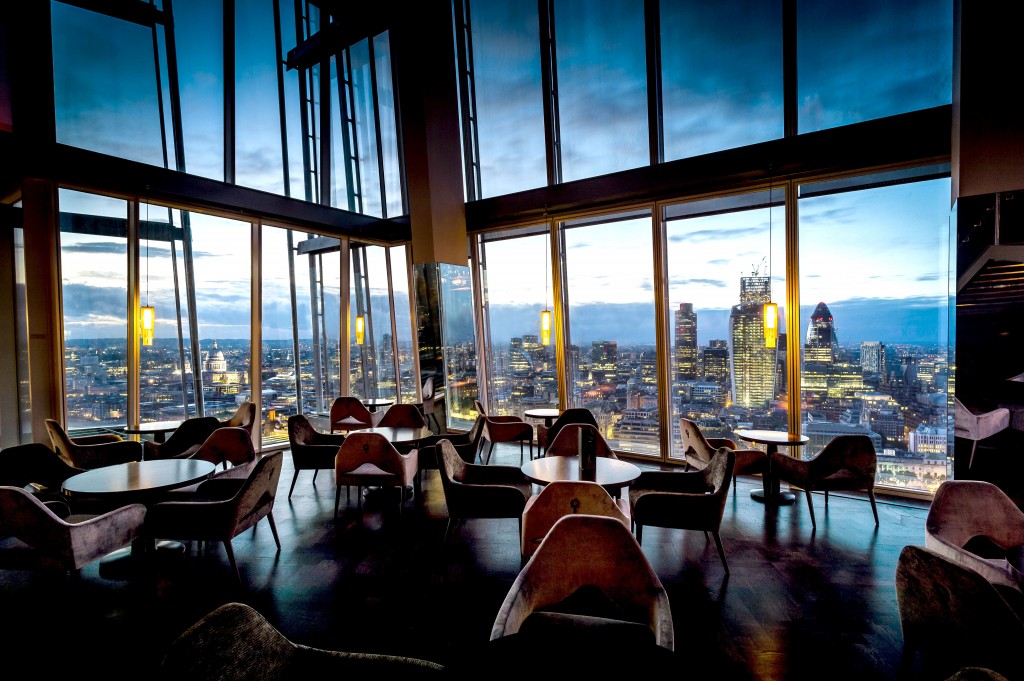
[[771, 310], [360, 329], [147, 311], [545, 314]]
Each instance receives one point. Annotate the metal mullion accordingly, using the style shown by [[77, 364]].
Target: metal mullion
[[134, 322], [561, 321], [793, 363], [256, 328], [229, 91], [411, 283], [324, 167], [304, 124], [481, 316], [467, 97], [394, 325], [281, 108], [316, 314], [356, 187], [789, 70], [655, 128], [345, 330], [549, 84], [177, 310], [376, 128], [346, 122], [193, 321], [294, 300]]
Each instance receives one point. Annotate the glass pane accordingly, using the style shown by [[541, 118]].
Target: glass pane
[[258, 154], [517, 286], [722, 84], [874, 345], [365, 133], [613, 359], [509, 97], [459, 346], [198, 30], [166, 388], [408, 381], [842, 82], [343, 185], [602, 86], [221, 255], [388, 126], [104, 85], [373, 360], [720, 275], [94, 294]]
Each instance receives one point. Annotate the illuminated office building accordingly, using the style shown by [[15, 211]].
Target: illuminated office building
[[686, 342], [753, 364]]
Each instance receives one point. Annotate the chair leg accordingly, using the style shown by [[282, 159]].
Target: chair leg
[[489, 450], [337, 500], [974, 445], [292, 488], [315, 471], [721, 551], [874, 508], [231, 558], [810, 507], [639, 534], [826, 501], [273, 529]]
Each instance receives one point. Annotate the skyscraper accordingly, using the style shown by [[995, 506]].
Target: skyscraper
[[716, 361], [872, 357], [821, 342], [686, 342], [753, 364]]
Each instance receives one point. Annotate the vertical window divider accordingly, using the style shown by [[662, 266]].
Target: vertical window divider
[[560, 323], [655, 126], [256, 328], [394, 326], [793, 358], [134, 321], [662, 328]]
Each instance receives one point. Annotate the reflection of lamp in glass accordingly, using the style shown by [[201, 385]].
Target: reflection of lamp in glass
[[771, 310], [360, 329], [147, 311], [545, 314]]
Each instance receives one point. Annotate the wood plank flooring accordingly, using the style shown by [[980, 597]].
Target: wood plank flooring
[[798, 604]]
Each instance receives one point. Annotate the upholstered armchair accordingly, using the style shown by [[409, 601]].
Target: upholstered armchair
[[230, 447], [236, 643], [479, 490], [221, 508], [369, 460], [566, 442], [466, 444], [430, 400], [69, 544], [954, 617], [244, 417], [589, 574], [311, 450], [847, 462], [37, 468], [684, 500], [403, 416], [184, 441], [972, 523], [349, 414], [698, 451], [975, 426], [93, 451], [505, 429], [565, 497], [547, 435]]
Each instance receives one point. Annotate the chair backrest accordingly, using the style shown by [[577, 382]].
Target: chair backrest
[[589, 551], [561, 498], [244, 417], [696, 448], [573, 415], [953, 614], [192, 431], [255, 498], [300, 430], [62, 444], [348, 406], [480, 408], [964, 509], [33, 463], [566, 443], [230, 444], [428, 388], [853, 453], [359, 448], [402, 416]]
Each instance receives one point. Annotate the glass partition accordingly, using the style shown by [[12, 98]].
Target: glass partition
[[459, 347]]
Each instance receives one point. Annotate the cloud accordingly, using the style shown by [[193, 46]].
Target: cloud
[[686, 281], [97, 248]]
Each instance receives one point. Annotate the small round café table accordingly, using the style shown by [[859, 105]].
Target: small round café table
[[549, 415], [375, 403], [136, 482], [158, 429], [612, 474], [399, 436], [773, 439]]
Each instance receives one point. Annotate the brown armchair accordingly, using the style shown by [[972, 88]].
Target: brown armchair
[[244, 417], [349, 414], [259, 652], [479, 490], [466, 444], [402, 416], [184, 441], [430, 400], [588, 574], [954, 617], [566, 443], [698, 451], [93, 451], [311, 450], [231, 447], [65, 544], [565, 497], [222, 508], [684, 500], [505, 429], [369, 460], [547, 435], [846, 463]]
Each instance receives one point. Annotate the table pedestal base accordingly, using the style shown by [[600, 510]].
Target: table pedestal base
[[778, 498], [121, 563]]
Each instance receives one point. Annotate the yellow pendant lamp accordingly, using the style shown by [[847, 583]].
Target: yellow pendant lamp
[[360, 329]]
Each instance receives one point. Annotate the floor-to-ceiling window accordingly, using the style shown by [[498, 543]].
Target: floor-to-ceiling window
[[874, 317], [612, 353]]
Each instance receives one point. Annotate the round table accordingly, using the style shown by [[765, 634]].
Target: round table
[[142, 482], [549, 415], [773, 439], [399, 436], [612, 474], [158, 429], [375, 403]]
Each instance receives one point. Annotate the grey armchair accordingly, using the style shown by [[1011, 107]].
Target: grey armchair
[[684, 500], [974, 425], [311, 450], [184, 441], [698, 451], [244, 417], [92, 451], [69, 544], [35, 466]]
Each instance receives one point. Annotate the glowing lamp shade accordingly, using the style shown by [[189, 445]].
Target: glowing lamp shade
[[545, 327], [360, 329], [148, 323], [771, 324]]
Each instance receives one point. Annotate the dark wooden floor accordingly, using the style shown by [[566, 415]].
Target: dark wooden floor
[[798, 604]]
